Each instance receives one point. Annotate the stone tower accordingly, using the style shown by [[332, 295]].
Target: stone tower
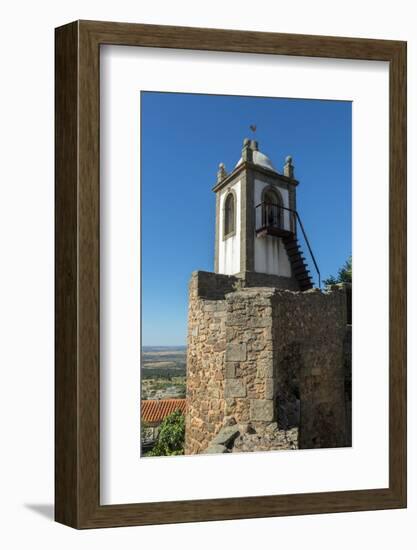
[[256, 223], [266, 352]]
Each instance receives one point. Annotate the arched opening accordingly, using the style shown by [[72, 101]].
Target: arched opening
[[272, 211], [229, 215]]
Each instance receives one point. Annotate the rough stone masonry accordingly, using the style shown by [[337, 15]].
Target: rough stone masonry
[[266, 365]]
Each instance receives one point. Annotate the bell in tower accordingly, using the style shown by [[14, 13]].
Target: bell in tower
[[257, 223]]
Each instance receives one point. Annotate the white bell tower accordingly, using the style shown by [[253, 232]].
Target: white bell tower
[[256, 223]]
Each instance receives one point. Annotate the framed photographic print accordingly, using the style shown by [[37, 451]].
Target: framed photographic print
[[230, 274]]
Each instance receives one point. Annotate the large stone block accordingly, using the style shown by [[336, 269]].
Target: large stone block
[[236, 352], [236, 320], [269, 388], [265, 368], [230, 370], [234, 387], [210, 307], [262, 410], [215, 449], [226, 435]]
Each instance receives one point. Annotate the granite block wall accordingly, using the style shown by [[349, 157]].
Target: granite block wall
[[266, 356]]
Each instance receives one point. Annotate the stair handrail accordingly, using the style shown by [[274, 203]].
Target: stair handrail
[[308, 244]]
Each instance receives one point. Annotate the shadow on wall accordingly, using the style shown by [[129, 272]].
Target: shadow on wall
[[45, 510]]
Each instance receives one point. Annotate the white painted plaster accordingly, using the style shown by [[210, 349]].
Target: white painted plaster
[[229, 248], [270, 254]]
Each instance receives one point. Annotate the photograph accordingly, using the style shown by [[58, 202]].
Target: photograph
[[246, 274]]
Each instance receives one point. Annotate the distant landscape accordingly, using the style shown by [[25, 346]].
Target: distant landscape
[[163, 372]]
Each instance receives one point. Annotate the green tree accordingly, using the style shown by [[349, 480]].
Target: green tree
[[171, 436], [344, 274]]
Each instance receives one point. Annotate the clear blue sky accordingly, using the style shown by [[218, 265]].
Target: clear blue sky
[[184, 137]]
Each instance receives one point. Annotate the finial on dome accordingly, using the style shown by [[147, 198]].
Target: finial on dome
[[221, 173], [247, 150], [288, 167]]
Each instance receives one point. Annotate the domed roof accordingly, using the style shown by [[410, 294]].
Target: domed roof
[[261, 160]]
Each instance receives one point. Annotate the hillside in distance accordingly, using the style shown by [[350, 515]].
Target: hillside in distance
[[163, 371]]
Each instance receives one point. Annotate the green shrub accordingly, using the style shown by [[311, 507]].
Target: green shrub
[[171, 436], [344, 274]]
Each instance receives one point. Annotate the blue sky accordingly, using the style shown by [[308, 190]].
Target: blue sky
[[184, 137]]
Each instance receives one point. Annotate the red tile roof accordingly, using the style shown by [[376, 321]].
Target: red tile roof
[[155, 410]]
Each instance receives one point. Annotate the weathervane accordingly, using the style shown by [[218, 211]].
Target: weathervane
[[253, 128]]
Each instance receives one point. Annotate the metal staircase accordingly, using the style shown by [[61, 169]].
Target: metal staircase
[[298, 263]]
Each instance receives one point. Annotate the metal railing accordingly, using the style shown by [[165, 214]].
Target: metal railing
[[276, 216], [270, 215]]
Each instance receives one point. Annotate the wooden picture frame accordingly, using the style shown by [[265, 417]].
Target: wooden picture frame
[[77, 382]]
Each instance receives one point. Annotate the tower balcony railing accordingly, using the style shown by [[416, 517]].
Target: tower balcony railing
[[274, 219], [279, 221]]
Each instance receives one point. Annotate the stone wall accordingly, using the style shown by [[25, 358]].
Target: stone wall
[[253, 279], [211, 286], [249, 377], [309, 331], [205, 359], [265, 355]]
